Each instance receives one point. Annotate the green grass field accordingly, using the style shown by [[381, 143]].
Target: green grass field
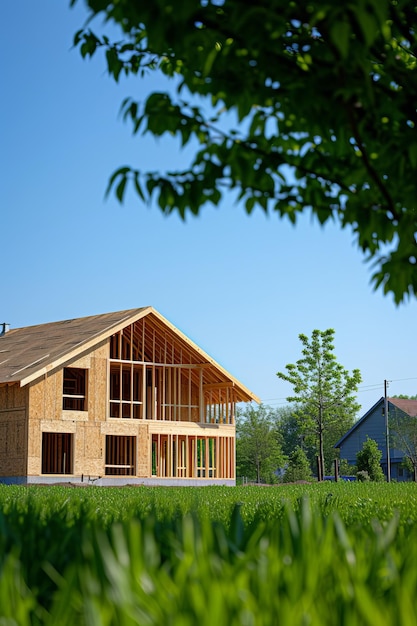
[[321, 554]]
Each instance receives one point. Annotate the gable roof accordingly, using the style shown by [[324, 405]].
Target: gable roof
[[408, 406], [30, 352]]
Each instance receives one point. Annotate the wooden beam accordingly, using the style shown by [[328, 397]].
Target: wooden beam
[[219, 385]]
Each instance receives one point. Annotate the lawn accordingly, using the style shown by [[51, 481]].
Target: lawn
[[315, 554]]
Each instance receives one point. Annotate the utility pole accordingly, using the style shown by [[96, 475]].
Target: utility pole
[[387, 431]]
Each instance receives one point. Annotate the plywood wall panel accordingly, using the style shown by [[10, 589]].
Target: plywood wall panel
[[58, 426], [79, 456], [34, 466], [20, 396], [120, 427], [97, 398], [34, 439], [12, 397], [3, 398], [83, 362], [36, 400], [13, 443], [53, 395], [143, 452], [93, 450]]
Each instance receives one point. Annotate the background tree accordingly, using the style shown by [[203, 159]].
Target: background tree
[[258, 446], [292, 435], [293, 106], [323, 391], [369, 460], [298, 467], [403, 436], [405, 397]]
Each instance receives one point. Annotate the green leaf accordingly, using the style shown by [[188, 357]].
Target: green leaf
[[412, 153], [340, 34], [120, 189], [368, 24], [249, 204], [138, 186]]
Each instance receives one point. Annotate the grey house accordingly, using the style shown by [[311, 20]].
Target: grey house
[[373, 425]]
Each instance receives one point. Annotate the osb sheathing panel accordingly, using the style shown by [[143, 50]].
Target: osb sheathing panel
[[74, 416], [83, 362], [34, 439], [46, 415], [89, 453], [45, 397], [189, 428], [57, 426], [34, 466], [143, 452], [36, 393], [120, 427], [97, 396], [13, 443], [12, 397], [34, 448], [53, 396], [88, 446]]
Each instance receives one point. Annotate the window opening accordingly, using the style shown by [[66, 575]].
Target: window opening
[[120, 455], [57, 453], [126, 390], [74, 389]]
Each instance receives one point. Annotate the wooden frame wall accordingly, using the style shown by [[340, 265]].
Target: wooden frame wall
[[152, 376], [192, 456]]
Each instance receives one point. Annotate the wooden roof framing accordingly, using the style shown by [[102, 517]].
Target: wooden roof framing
[[28, 353]]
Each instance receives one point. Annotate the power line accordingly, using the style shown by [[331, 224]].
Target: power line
[[362, 388]]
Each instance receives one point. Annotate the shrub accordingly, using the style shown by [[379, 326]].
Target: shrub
[[298, 467], [368, 460]]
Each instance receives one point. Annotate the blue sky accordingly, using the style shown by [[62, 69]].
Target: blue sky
[[242, 287]]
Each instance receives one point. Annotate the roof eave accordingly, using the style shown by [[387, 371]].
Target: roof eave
[[356, 424]]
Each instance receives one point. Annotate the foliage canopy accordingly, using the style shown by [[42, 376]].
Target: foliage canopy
[[294, 106]]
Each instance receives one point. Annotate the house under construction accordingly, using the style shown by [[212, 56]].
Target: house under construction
[[115, 398]]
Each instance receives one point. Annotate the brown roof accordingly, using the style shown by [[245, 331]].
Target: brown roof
[[28, 353], [25, 351], [408, 406]]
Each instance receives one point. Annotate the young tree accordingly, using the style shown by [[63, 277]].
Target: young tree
[[294, 106], [323, 391], [368, 460], [298, 466], [258, 449], [403, 435]]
